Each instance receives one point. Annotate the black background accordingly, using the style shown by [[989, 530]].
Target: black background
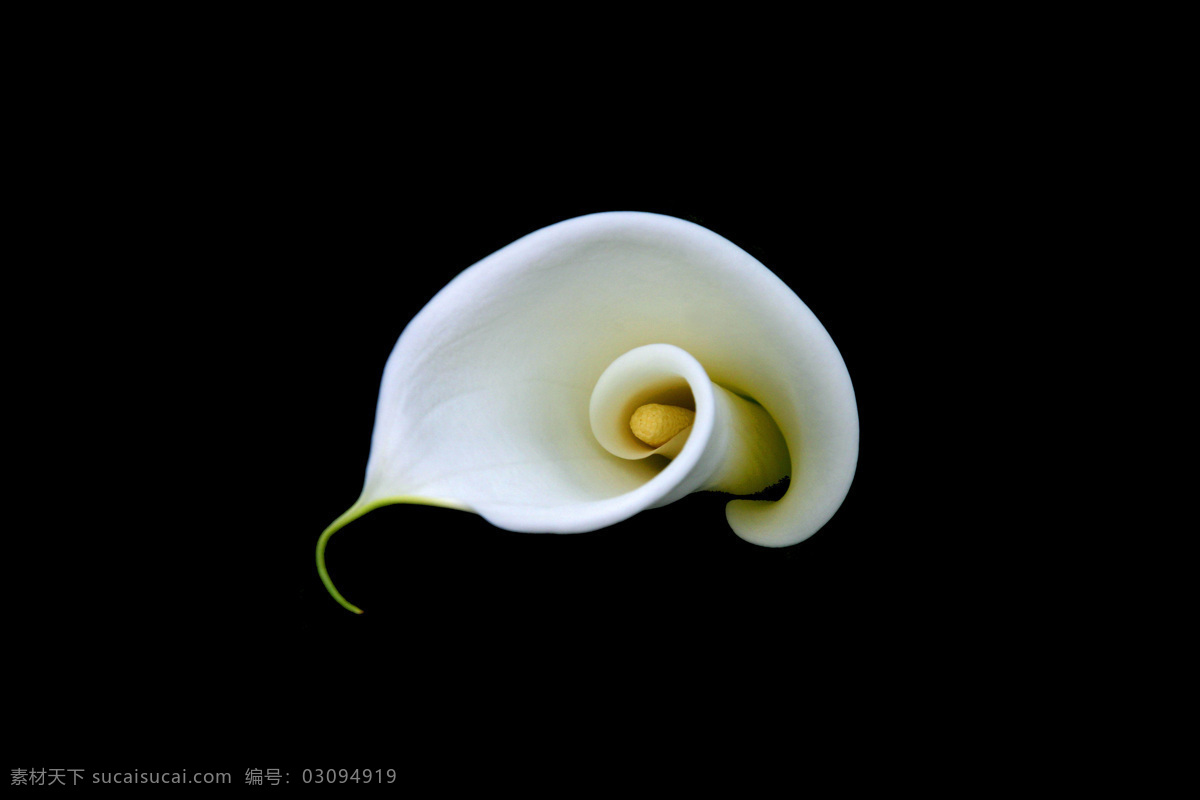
[[214, 244], [215, 381]]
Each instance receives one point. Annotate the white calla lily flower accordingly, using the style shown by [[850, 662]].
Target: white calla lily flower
[[511, 393]]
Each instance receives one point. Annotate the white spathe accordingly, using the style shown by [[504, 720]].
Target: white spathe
[[487, 403]]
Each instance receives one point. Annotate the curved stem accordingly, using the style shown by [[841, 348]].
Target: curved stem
[[354, 512]]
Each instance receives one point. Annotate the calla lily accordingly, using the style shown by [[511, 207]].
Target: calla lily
[[511, 393]]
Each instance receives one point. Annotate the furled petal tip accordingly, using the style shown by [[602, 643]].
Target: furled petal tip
[[511, 394]]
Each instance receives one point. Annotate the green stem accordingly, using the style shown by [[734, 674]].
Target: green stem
[[354, 512]]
